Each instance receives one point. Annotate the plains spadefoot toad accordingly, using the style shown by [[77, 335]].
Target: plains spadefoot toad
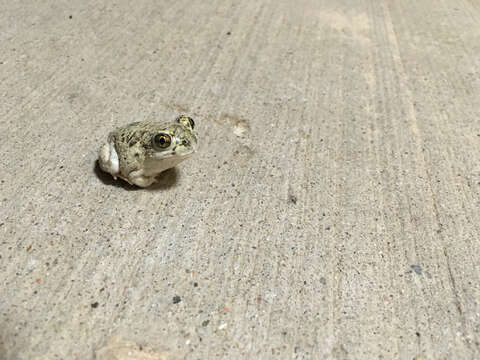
[[139, 151]]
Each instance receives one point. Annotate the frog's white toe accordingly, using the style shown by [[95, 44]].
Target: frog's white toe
[[108, 159]]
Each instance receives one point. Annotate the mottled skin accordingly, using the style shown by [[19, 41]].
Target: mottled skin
[[138, 152]]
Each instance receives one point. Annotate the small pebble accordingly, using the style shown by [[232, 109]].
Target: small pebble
[[417, 269]]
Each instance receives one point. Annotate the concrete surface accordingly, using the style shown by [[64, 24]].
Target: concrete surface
[[332, 211]]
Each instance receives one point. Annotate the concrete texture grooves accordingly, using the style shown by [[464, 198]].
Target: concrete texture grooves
[[332, 211]]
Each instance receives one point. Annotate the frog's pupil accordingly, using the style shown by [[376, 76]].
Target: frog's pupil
[[162, 140]]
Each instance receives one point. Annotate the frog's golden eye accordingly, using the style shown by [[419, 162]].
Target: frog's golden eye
[[161, 141]]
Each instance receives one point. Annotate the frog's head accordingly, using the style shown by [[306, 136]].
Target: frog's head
[[174, 142]]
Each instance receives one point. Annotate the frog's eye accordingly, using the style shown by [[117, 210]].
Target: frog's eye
[[192, 123], [186, 121], [161, 141]]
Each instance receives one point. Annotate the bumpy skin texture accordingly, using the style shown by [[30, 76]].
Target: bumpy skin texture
[[138, 152]]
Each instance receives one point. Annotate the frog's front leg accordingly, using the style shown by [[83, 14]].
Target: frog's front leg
[[139, 178]]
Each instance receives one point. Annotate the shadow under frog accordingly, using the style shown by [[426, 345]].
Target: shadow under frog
[[165, 180]]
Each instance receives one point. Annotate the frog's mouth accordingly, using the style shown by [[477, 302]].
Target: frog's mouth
[[177, 151], [173, 154]]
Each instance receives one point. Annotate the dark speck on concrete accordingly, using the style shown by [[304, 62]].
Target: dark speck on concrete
[[176, 299], [417, 333], [195, 284], [95, 305], [229, 33], [293, 199], [205, 323], [417, 268], [70, 17]]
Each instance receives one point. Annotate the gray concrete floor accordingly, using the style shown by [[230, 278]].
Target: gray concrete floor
[[331, 212]]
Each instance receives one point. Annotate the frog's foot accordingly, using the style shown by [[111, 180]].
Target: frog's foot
[[108, 159], [139, 178]]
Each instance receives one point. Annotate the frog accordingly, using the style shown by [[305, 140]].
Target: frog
[[140, 151]]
